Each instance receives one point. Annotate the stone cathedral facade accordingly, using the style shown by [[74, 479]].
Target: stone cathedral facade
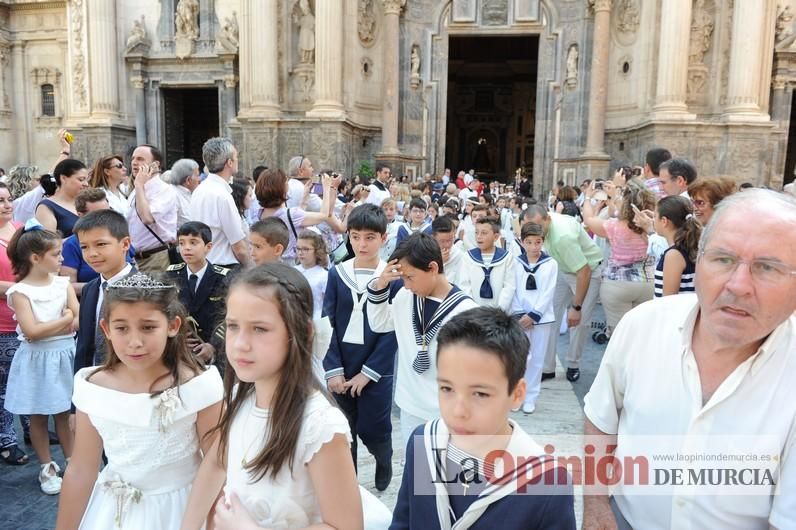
[[563, 89]]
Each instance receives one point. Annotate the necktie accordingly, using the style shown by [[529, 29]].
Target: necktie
[[530, 283], [99, 338], [486, 287], [192, 279]]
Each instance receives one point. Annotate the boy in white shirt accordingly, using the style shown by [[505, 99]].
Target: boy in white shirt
[[444, 232], [488, 271]]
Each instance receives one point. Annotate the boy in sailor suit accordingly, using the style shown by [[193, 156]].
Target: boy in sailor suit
[[488, 270], [449, 483], [418, 211], [360, 361], [424, 302], [535, 278]]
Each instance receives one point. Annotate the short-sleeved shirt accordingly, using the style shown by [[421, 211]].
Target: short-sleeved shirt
[[568, 243], [46, 301], [163, 207], [73, 258], [213, 205], [648, 385]]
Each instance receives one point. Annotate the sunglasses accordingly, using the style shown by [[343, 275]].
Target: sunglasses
[[699, 203]]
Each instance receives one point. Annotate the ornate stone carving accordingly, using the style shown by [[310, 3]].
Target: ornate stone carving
[[138, 39], [304, 20], [187, 27], [5, 56], [573, 56], [303, 83], [227, 40], [778, 82], [702, 26], [495, 12], [600, 5], [393, 7], [414, 61], [366, 23], [783, 26], [628, 16], [78, 58]]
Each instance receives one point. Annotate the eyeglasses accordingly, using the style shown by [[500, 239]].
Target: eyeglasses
[[301, 250], [699, 203], [719, 262]]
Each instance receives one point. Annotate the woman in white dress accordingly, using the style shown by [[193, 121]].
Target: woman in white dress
[[149, 407], [278, 469], [110, 174]]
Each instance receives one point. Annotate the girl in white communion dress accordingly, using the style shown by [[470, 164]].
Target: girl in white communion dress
[[149, 407]]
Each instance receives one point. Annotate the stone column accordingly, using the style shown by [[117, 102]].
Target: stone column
[[392, 45], [103, 60], [140, 111], [329, 24], [229, 97], [672, 84], [749, 21], [259, 59], [598, 94]]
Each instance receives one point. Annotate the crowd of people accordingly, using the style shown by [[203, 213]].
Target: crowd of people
[[253, 330]]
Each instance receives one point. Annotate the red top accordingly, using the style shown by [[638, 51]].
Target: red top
[[7, 322]]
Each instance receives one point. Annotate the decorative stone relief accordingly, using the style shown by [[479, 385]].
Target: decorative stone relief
[[600, 5], [702, 26], [366, 23], [5, 55], [303, 42], [78, 58], [627, 19], [495, 12], [304, 20], [186, 26], [393, 7], [138, 39], [414, 61], [783, 26], [227, 41], [573, 57], [725, 52]]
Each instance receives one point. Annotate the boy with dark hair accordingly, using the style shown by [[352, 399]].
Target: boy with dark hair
[[488, 271], [417, 220], [105, 242], [444, 232], [535, 274], [360, 361], [202, 287], [446, 481], [467, 226], [413, 297], [268, 239]]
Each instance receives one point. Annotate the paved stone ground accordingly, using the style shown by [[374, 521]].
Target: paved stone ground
[[559, 411]]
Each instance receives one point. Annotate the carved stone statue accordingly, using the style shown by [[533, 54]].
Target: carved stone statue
[[137, 35], [306, 40], [414, 61], [783, 27], [186, 22], [701, 33], [228, 38], [629, 16], [366, 22], [572, 65]]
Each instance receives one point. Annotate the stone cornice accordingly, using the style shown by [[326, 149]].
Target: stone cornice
[[25, 5]]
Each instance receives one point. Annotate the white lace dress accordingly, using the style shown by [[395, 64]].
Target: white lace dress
[[152, 448], [289, 501]]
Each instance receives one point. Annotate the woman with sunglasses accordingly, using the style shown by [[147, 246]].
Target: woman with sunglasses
[[707, 193], [110, 174]]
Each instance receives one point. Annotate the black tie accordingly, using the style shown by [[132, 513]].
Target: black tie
[[192, 279]]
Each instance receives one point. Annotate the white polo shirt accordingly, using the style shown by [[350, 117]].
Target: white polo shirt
[[213, 205], [648, 384]]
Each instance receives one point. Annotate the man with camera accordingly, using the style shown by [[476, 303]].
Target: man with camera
[[152, 216], [299, 193]]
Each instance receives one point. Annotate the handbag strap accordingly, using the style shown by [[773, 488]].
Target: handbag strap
[[163, 243], [292, 226]]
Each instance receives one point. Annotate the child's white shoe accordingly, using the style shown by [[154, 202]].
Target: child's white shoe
[[528, 408], [49, 480]]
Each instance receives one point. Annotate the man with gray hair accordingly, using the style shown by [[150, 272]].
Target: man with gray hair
[[213, 205], [300, 174], [707, 375], [184, 176]]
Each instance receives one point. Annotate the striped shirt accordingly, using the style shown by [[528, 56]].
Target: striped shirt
[[686, 279]]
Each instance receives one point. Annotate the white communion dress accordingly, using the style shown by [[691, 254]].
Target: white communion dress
[[289, 500], [152, 448]]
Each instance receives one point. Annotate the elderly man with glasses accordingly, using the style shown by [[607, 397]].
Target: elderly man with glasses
[[701, 372]]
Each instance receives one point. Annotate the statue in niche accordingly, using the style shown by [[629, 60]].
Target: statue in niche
[[366, 24], [137, 35], [186, 19], [228, 39], [629, 16], [306, 41], [783, 26], [572, 66], [701, 33], [414, 61]]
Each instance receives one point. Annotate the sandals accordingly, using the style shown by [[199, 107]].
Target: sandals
[[13, 456]]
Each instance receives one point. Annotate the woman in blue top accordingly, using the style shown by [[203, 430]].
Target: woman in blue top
[[57, 212]]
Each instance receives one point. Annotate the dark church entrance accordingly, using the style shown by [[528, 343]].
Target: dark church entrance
[[190, 116], [491, 105]]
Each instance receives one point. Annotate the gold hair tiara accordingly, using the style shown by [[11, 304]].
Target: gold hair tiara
[[140, 280]]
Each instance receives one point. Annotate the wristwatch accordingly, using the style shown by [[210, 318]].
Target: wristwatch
[[576, 307]]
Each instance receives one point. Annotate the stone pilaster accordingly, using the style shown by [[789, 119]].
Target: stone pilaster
[[389, 131], [103, 59], [749, 21], [329, 32], [140, 110], [259, 59], [672, 84], [594, 159]]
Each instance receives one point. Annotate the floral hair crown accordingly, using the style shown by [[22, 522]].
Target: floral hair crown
[[140, 280]]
